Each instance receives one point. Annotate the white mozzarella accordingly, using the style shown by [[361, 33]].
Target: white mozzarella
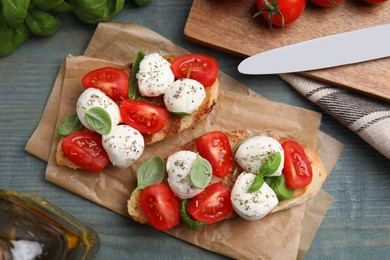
[[92, 97], [254, 205], [178, 167], [253, 152], [184, 96], [154, 75], [124, 145]]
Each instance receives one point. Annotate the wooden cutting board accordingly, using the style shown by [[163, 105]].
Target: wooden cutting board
[[228, 25]]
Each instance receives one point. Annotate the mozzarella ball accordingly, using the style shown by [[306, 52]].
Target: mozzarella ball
[[124, 145], [92, 97], [184, 96], [154, 75], [254, 205], [254, 151], [178, 167]]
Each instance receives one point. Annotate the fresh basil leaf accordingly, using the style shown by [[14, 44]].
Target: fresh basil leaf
[[133, 82], [278, 184], [93, 11], [191, 223], [98, 119], [256, 184], [41, 23], [152, 171], [15, 11], [46, 4], [271, 164], [201, 172], [11, 38], [64, 7], [71, 124]]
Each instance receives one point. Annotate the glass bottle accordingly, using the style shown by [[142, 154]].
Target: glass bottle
[[32, 228]]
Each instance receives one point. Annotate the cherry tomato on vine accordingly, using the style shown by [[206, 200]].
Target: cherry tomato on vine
[[327, 3], [280, 12]]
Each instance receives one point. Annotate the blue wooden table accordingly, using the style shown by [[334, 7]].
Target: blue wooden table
[[357, 225]]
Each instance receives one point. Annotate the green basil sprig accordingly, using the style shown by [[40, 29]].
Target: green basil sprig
[[41, 23], [133, 82], [46, 4], [278, 184], [15, 11], [98, 119], [71, 124], [152, 171], [11, 38], [191, 223], [267, 168], [201, 172]]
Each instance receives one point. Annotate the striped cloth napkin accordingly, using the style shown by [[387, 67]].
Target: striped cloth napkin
[[366, 116]]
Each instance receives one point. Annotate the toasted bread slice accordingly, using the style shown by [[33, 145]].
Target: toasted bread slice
[[300, 195]]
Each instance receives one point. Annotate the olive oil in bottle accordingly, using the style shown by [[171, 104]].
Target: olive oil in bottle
[[32, 228]]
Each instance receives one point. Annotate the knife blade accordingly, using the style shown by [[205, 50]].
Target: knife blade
[[325, 52]]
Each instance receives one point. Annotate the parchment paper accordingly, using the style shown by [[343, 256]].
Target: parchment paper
[[277, 236]]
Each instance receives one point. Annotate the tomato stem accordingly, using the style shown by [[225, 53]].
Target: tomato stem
[[271, 8]]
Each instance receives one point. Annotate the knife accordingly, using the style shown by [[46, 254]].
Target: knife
[[329, 51]]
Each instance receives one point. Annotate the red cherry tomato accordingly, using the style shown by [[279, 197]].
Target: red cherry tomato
[[200, 67], [161, 207], [215, 147], [281, 12], [145, 117], [212, 204], [327, 3], [113, 82], [85, 149], [297, 169]]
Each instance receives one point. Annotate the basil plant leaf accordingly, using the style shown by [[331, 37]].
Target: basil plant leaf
[[152, 171], [71, 124], [63, 7], [46, 4], [41, 23], [191, 223], [271, 164], [11, 38], [93, 11], [278, 184], [133, 82], [256, 184], [98, 119], [15, 11], [201, 172]]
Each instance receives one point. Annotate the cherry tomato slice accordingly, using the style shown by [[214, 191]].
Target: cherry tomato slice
[[200, 67], [85, 149], [215, 147], [161, 207], [291, 10], [113, 82], [212, 204], [145, 117], [297, 169]]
